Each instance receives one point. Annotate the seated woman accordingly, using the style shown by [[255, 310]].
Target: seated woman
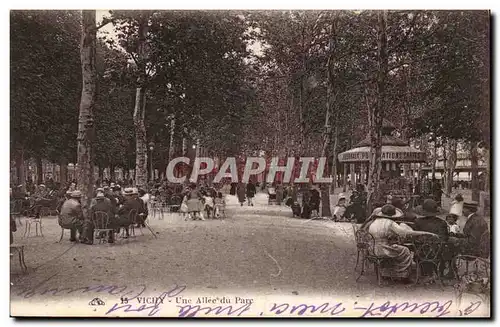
[[382, 227]]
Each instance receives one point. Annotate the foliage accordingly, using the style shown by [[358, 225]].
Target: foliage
[[45, 82]]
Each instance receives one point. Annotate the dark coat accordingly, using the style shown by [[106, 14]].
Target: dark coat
[[251, 190], [124, 218], [106, 206], [241, 193], [113, 199], [434, 225], [474, 229], [143, 212]]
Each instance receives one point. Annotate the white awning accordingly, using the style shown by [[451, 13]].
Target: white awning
[[390, 153]]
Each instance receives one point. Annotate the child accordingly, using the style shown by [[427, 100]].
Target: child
[[339, 210], [184, 208], [219, 205], [296, 209], [451, 219], [209, 203], [457, 205]]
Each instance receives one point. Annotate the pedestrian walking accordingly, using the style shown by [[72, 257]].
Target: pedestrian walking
[[251, 190], [241, 192]]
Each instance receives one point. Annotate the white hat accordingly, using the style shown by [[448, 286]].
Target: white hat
[[128, 191], [76, 194], [341, 196]]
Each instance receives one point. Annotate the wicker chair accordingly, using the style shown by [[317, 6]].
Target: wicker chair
[[474, 277], [428, 253], [20, 251], [35, 221], [100, 219], [365, 243], [16, 210], [132, 217]]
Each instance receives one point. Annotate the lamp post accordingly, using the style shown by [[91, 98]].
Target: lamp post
[[151, 148]]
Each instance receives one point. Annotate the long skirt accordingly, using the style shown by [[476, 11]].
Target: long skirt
[[194, 205], [399, 260]]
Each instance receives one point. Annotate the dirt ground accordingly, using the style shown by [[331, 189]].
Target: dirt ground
[[258, 252]]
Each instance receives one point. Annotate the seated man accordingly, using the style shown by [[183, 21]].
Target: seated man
[[131, 203], [103, 204], [71, 216], [40, 199], [476, 240], [143, 212]]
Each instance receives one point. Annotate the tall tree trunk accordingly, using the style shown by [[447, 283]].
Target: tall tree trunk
[[451, 162], [334, 156], [171, 147], [406, 119], [39, 170], [112, 172], [63, 170], [434, 160], [184, 141], [141, 160], [85, 168], [20, 170], [376, 113], [487, 162], [325, 189], [344, 178], [474, 171]]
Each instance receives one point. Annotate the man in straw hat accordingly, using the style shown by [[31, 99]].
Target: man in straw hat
[[71, 215], [103, 204]]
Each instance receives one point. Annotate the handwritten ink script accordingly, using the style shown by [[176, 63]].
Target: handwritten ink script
[[146, 303], [131, 300], [436, 308]]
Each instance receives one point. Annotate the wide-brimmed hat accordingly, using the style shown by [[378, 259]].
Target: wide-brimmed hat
[[76, 194], [128, 191], [41, 185], [389, 211], [471, 204], [99, 195], [342, 196], [428, 208], [68, 192], [100, 189]]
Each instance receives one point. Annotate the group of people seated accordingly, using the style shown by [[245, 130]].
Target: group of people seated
[[198, 203], [117, 205], [388, 222]]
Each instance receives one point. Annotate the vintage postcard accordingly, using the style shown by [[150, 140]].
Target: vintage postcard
[[250, 163]]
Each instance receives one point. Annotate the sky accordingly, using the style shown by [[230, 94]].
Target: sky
[[108, 29]]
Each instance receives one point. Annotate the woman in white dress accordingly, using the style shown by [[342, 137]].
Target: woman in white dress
[[382, 227]]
